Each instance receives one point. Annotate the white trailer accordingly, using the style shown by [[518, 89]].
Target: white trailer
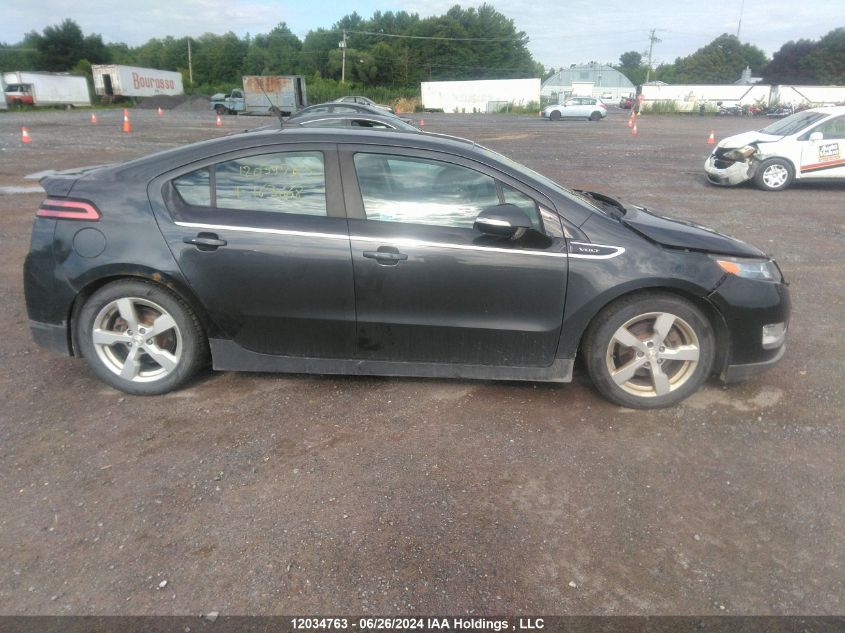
[[485, 95], [690, 97], [45, 89], [114, 80]]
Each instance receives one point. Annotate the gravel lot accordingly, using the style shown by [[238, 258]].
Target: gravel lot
[[260, 494]]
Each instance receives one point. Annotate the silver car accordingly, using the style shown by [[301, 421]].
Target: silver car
[[364, 101], [576, 108]]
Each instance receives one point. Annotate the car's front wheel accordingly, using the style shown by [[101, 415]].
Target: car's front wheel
[[220, 109], [140, 338], [775, 174], [554, 115], [649, 351]]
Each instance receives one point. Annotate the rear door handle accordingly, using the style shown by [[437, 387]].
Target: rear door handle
[[205, 241]]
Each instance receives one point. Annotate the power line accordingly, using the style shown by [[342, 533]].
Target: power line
[[448, 39]]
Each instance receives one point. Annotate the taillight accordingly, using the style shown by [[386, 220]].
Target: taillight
[[68, 210]]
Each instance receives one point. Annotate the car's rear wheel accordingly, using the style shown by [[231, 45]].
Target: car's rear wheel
[[649, 351], [595, 116], [554, 115], [140, 338], [775, 174]]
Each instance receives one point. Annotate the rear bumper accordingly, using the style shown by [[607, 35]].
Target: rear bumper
[[51, 336]]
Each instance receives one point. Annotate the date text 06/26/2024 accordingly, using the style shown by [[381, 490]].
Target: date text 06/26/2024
[[415, 624]]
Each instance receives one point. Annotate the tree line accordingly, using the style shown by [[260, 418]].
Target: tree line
[[473, 43], [399, 49], [722, 61]]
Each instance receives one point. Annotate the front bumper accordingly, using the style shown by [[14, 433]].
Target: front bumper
[[748, 307], [738, 373], [733, 174]]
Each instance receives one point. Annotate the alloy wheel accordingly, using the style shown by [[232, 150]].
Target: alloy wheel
[[137, 339], [653, 354]]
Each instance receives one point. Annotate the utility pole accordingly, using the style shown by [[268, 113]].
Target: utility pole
[[190, 65], [741, 11], [343, 64], [653, 39]]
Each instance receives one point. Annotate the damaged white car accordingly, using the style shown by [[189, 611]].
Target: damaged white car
[[806, 145]]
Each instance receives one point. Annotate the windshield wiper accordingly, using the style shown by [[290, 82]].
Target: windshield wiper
[[616, 208]]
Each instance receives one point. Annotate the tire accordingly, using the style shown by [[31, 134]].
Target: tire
[[635, 365], [775, 174], [595, 116], [220, 109], [163, 360], [554, 115]]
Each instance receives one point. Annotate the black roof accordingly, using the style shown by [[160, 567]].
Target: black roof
[[170, 159]]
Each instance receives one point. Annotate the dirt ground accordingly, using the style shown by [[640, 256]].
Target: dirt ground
[[261, 494]]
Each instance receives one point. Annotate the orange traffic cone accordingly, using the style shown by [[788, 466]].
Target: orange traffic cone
[[219, 121], [422, 122], [631, 120], [93, 119], [634, 129], [712, 138], [127, 126], [25, 136], [160, 112]]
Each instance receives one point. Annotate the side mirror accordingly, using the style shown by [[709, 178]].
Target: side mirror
[[816, 136], [503, 220]]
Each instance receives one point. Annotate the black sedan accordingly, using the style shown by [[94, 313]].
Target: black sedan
[[359, 252]]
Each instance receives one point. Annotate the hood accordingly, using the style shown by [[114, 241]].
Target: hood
[[218, 96], [747, 138], [685, 235]]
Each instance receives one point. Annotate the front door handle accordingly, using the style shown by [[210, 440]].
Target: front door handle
[[205, 241], [386, 255]]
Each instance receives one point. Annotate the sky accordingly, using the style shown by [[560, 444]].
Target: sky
[[561, 32]]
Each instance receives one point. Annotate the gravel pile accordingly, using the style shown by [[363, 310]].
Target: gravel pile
[[195, 103], [175, 102]]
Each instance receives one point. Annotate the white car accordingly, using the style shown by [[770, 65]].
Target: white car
[[578, 108], [807, 145]]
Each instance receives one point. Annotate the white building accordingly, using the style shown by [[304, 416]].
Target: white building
[[588, 80], [485, 95]]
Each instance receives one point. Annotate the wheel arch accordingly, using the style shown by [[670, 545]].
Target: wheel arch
[[581, 321], [104, 277]]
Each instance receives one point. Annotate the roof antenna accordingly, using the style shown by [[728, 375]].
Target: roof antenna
[[273, 107]]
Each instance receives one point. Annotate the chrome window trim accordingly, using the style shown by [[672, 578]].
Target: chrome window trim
[[399, 241]]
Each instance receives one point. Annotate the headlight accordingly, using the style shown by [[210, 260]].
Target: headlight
[[740, 154], [763, 269]]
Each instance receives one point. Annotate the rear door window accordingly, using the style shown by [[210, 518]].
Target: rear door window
[[283, 182]]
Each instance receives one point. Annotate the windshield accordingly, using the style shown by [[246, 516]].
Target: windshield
[[793, 123]]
